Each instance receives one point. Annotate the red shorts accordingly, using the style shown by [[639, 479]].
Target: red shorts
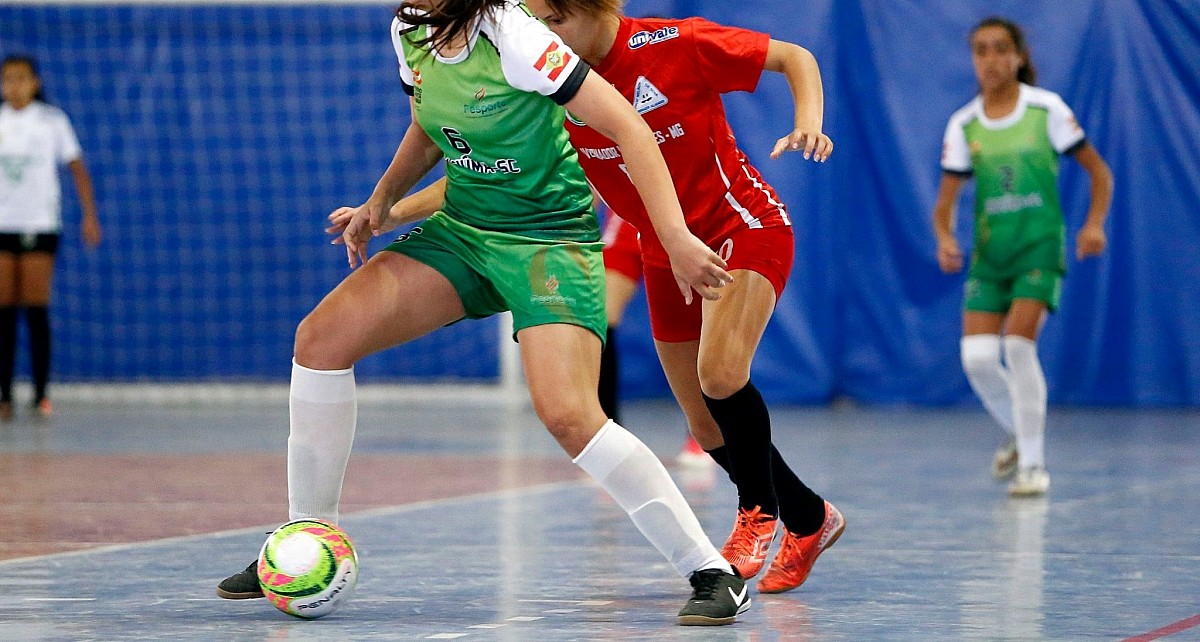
[[622, 251], [767, 251]]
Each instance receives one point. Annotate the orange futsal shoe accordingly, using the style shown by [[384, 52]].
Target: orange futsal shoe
[[797, 554], [44, 408], [746, 548]]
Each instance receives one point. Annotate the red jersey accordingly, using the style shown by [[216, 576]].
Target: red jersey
[[674, 72]]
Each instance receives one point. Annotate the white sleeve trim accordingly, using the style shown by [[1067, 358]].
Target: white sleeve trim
[[956, 155], [398, 28], [1062, 128]]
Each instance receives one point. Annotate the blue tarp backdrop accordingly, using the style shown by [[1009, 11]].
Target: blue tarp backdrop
[[221, 135]]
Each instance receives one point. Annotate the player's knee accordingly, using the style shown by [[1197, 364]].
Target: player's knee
[[980, 355], [563, 417], [314, 345], [721, 381]]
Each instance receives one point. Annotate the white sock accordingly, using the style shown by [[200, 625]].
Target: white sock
[[1027, 385], [636, 479], [323, 414], [989, 379]]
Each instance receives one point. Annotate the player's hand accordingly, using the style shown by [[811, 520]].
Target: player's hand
[[340, 218], [949, 256], [697, 267], [356, 234], [1091, 241], [812, 142], [338, 221], [357, 229]]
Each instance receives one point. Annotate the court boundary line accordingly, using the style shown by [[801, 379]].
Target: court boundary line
[[1170, 629], [266, 528]]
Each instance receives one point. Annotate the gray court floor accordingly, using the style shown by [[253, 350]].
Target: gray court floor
[[933, 550]]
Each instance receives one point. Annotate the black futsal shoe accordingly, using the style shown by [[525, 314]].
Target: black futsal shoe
[[718, 598], [242, 585]]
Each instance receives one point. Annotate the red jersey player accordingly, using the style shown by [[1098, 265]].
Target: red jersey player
[[674, 72]]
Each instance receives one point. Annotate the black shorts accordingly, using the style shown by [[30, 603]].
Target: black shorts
[[28, 242]]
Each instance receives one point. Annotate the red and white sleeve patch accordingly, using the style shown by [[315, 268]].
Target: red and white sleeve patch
[[552, 61]]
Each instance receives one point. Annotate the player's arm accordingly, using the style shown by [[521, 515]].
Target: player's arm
[[605, 110], [87, 201], [414, 207], [1091, 240], [949, 255], [803, 75], [416, 155]]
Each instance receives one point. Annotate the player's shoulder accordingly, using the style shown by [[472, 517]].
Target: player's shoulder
[[49, 113], [1041, 97], [969, 112], [400, 29], [508, 19]]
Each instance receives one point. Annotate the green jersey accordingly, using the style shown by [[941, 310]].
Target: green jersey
[[1018, 217], [495, 112]]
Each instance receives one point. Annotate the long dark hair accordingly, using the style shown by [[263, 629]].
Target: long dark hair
[[1026, 73], [451, 19], [28, 61]]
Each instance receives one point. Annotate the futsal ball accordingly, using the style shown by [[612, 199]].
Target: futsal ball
[[307, 568]]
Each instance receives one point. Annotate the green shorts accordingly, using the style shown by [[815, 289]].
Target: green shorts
[[541, 281], [996, 295]]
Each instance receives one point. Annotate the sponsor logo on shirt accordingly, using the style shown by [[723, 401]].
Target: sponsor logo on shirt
[[643, 38], [602, 153], [552, 61], [13, 167], [502, 166], [482, 107], [647, 97], [1010, 203]]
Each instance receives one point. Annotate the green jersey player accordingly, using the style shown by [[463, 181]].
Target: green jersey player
[[1009, 139], [488, 83]]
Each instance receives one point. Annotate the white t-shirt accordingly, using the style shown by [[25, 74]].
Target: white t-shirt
[[34, 142]]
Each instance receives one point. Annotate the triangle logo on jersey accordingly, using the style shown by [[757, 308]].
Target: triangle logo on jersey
[[647, 97]]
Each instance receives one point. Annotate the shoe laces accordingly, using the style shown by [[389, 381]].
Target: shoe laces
[[743, 530], [792, 547], [705, 582]]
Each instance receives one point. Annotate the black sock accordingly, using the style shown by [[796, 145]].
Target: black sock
[[800, 509], [8, 348], [608, 376], [38, 321], [721, 456], [746, 426]]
